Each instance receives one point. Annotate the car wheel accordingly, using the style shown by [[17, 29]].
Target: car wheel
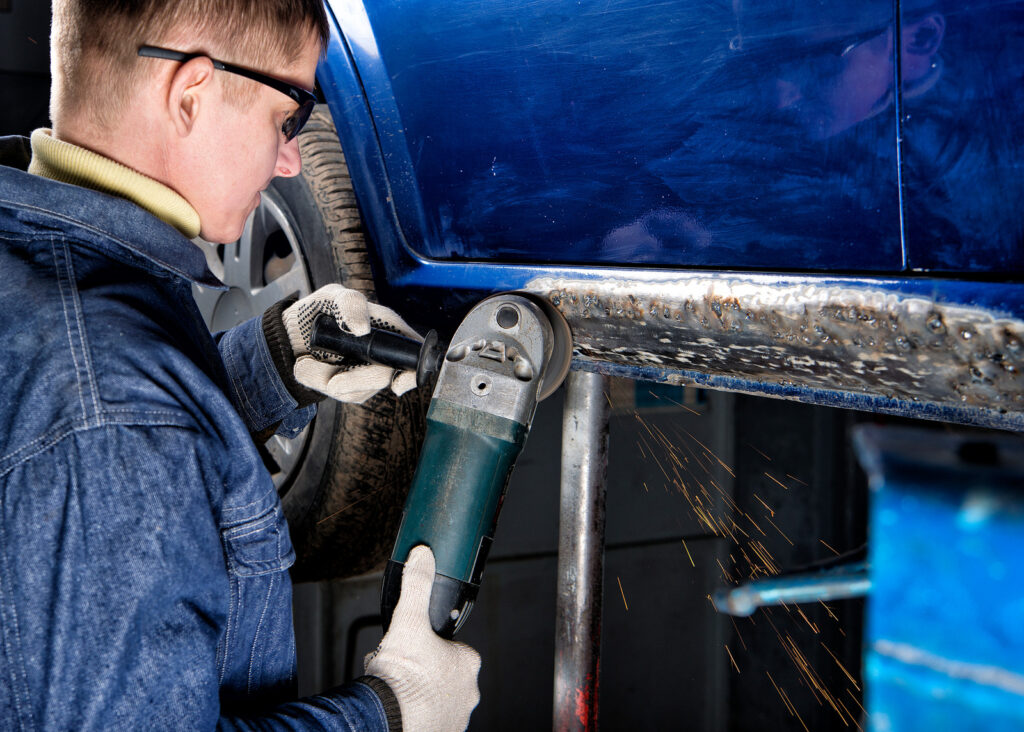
[[344, 479]]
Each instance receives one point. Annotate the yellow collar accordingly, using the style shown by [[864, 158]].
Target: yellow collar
[[61, 161]]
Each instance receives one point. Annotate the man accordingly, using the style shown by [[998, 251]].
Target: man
[[838, 71], [143, 550]]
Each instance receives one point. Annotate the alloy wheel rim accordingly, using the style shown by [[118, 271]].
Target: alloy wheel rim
[[263, 267]]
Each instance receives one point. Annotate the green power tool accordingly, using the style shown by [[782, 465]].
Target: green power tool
[[509, 352]]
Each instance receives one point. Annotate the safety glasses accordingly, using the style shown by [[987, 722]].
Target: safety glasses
[[305, 99]]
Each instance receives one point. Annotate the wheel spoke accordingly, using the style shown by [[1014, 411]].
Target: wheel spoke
[[213, 260], [243, 260], [206, 299], [285, 453], [291, 284], [232, 265], [243, 271]]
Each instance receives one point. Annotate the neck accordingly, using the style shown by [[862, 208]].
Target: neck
[[129, 144], [67, 162], [923, 83]]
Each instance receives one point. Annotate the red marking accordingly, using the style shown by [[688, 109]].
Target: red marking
[[583, 706], [586, 702]]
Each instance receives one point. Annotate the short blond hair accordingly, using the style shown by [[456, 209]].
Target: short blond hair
[[94, 43]]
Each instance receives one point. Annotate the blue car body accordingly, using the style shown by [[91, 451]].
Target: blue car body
[[811, 199]]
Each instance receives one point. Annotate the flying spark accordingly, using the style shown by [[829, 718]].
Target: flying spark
[[691, 468], [688, 553], [734, 664]]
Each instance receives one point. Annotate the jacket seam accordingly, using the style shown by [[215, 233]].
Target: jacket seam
[[76, 303], [63, 286], [234, 509], [252, 527], [148, 256], [66, 428], [234, 598], [259, 630], [252, 414], [265, 523], [232, 357]]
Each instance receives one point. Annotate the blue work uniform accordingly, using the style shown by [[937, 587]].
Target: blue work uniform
[[144, 554]]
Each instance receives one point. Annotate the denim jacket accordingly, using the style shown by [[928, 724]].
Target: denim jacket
[[143, 550]]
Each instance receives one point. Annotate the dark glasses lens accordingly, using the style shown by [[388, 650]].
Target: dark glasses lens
[[297, 120]]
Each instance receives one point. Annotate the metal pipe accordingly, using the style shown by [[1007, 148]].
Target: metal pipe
[[839, 583], [581, 552]]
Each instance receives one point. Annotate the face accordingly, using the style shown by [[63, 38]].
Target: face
[[834, 91], [239, 149], [831, 93], [864, 86]]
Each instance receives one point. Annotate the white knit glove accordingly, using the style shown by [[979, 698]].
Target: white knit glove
[[434, 680], [328, 374]]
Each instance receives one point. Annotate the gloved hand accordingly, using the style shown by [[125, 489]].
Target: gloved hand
[[288, 326], [434, 680]]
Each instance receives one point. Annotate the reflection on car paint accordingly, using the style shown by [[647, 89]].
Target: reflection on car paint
[[778, 134], [963, 144]]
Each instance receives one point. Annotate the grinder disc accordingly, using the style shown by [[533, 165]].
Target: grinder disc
[[561, 350]]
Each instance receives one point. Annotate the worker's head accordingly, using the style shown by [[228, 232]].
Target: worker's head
[[854, 78], [212, 134], [832, 63]]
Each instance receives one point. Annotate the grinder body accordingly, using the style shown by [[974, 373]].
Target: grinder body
[[497, 367]]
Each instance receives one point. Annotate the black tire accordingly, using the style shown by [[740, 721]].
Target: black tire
[[345, 501], [344, 479]]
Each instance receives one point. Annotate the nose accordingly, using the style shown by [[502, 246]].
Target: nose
[[289, 163]]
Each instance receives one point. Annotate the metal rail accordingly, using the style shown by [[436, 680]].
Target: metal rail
[[838, 583], [581, 552]]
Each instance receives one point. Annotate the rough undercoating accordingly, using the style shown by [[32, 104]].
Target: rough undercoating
[[856, 340]]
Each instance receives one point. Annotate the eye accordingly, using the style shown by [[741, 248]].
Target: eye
[[289, 127], [296, 120]]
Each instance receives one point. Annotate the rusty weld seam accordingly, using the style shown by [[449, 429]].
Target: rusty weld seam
[[841, 338]]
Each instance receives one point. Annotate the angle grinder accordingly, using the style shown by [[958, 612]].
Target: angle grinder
[[509, 352]]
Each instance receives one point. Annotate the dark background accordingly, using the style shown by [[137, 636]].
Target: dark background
[[665, 656], [24, 65]]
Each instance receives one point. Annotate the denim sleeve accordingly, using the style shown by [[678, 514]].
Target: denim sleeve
[[257, 389], [115, 591], [353, 706]]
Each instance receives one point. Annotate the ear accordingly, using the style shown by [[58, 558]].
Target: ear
[[189, 93], [923, 37]]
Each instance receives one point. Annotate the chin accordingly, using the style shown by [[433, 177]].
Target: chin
[[225, 234]]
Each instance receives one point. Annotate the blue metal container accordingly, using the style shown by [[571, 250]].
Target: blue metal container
[[945, 627]]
